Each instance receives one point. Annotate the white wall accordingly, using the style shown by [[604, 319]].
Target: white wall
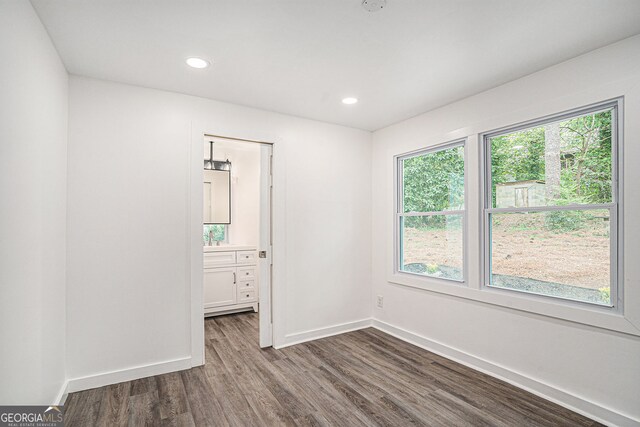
[[128, 286], [245, 189], [598, 366], [33, 142]]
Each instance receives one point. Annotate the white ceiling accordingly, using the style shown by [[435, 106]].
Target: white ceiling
[[301, 57]]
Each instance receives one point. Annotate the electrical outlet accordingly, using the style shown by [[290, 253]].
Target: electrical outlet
[[380, 301]]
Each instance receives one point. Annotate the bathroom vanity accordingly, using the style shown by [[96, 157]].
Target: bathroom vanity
[[230, 279]]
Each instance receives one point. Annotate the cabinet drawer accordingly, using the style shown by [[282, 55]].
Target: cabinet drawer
[[246, 296], [214, 259], [246, 285], [246, 273], [247, 257]]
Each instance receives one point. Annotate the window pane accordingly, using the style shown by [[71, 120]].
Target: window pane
[[434, 181], [560, 163], [216, 231], [558, 253], [432, 245]]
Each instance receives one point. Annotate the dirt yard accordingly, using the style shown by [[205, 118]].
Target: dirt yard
[[523, 247]]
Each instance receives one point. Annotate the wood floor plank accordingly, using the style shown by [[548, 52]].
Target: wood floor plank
[[312, 420], [325, 398], [439, 376], [143, 385], [180, 420], [172, 395], [247, 361], [223, 383], [361, 378], [211, 329], [204, 405], [407, 391], [114, 409], [295, 400], [234, 402], [447, 376], [343, 367], [265, 405], [376, 414], [144, 409], [83, 407]]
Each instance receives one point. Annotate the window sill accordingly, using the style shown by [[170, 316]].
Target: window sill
[[441, 280], [583, 313]]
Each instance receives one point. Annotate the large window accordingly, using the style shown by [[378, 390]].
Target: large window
[[430, 212], [551, 207]]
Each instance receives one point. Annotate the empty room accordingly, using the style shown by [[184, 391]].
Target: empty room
[[319, 213]]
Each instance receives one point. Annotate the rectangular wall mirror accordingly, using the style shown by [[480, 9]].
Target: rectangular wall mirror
[[217, 197]]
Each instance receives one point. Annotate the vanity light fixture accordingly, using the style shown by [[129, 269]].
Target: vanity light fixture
[[218, 165], [197, 62], [349, 101]]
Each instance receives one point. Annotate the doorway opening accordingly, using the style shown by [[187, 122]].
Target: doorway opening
[[237, 239]]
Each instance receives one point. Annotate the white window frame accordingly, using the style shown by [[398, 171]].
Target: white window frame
[[226, 233], [399, 214], [615, 206]]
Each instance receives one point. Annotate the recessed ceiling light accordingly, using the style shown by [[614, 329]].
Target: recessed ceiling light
[[197, 63], [349, 101]]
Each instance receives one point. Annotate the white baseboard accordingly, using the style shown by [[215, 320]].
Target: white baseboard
[[129, 374], [582, 406], [314, 334], [62, 394]]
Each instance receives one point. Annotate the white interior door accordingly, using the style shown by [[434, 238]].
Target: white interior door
[[265, 246]]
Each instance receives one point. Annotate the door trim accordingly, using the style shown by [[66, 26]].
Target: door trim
[[194, 261]]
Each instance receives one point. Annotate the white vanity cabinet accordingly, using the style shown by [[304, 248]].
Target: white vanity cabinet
[[219, 287], [230, 281]]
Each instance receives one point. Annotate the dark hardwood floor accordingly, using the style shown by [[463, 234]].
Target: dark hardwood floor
[[361, 378]]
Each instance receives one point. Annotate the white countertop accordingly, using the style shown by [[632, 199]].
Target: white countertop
[[228, 247]]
